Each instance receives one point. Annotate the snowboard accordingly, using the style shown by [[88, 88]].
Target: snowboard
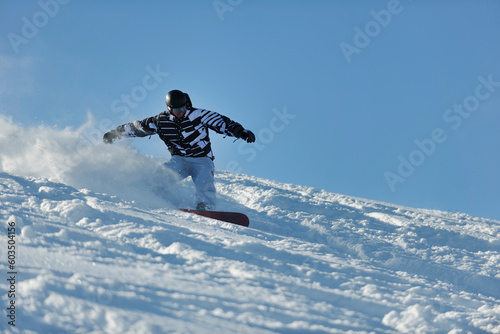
[[228, 217]]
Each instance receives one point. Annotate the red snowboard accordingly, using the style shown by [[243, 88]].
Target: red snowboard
[[229, 217]]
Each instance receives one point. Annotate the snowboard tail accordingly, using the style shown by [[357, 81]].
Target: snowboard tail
[[228, 217]]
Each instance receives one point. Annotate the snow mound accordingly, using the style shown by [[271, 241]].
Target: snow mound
[[103, 252]]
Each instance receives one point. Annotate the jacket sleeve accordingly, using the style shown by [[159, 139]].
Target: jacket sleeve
[[144, 128], [220, 123]]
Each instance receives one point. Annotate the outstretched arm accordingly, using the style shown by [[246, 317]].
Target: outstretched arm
[[142, 128], [222, 124]]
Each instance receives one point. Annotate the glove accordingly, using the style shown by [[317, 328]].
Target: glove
[[238, 129], [109, 137], [248, 136]]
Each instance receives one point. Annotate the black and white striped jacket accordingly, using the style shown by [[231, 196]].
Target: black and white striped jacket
[[187, 136]]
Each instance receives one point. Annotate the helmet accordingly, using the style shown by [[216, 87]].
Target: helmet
[[175, 98]]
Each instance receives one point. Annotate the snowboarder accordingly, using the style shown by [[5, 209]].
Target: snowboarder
[[184, 129]]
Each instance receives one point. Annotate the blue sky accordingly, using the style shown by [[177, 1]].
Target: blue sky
[[396, 101]]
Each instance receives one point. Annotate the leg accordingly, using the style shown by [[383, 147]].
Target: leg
[[203, 178], [178, 165]]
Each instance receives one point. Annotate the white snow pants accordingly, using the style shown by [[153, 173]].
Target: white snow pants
[[202, 171]]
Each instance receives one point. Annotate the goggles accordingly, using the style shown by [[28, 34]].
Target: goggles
[[177, 111]]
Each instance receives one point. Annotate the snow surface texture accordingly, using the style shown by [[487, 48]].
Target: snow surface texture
[[103, 249]]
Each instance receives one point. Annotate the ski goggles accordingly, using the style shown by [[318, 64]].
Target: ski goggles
[[178, 110]]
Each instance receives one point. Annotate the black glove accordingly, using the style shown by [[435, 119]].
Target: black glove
[[238, 129], [110, 136], [248, 136]]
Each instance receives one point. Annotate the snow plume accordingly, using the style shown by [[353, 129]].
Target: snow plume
[[79, 158]]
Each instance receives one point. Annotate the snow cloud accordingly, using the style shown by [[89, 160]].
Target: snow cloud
[[78, 157]]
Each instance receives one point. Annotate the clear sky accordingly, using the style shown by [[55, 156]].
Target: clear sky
[[397, 101]]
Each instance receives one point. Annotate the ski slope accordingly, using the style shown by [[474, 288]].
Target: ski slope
[[102, 248]]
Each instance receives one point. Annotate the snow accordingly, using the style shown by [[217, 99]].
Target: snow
[[102, 248]]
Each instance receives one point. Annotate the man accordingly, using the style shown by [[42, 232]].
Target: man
[[184, 130]]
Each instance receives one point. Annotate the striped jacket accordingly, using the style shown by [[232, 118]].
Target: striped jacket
[[187, 136]]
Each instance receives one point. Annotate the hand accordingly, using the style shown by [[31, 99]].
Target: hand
[[238, 129], [109, 137], [248, 136]]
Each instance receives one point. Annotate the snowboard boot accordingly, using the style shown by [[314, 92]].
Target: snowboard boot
[[201, 206]]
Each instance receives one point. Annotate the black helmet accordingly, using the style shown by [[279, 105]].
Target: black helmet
[[175, 99]]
